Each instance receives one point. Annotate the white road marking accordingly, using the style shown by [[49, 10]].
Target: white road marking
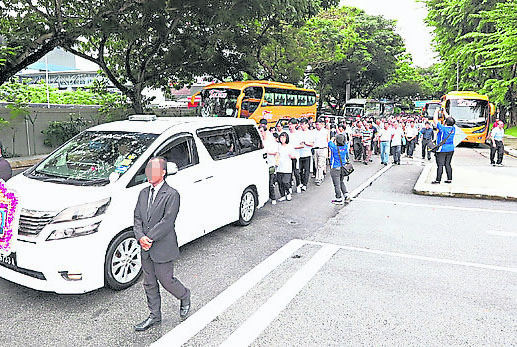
[[447, 207], [268, 312], [424, 258], [369, 181], [501, 233], [260, 320], [201, 318]]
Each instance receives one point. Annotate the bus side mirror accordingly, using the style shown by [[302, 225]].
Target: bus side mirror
[[492, 109]]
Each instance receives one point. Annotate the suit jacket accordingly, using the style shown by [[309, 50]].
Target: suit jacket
[[158, 225]]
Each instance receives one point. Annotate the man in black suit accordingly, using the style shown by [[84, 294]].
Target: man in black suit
[[155, 214]]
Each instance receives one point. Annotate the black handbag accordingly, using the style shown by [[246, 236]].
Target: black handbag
[[434, 147], [347, 169]]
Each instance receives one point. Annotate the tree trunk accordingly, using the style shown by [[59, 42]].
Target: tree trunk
[[136, 99], [513, 116]]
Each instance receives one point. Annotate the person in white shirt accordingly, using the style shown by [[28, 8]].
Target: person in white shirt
[[384, 138], [295, 140], [306, 137], [284, 166], [496, 143], [396, 142], [321, 140], [411, 138], [271, 146]]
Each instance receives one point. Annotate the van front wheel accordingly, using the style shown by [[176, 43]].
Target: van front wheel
[[123, 265], [247, 207]]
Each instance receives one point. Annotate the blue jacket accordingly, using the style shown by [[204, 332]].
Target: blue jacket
[[443, 131], [334, 158]]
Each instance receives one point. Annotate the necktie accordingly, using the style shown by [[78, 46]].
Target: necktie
[[151, 196]]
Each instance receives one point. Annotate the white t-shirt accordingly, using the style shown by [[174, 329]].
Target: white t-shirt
[[397, 137], [321, 138], [497, 134], [411, 131], [284, 164], [271, 146], [307, 137], [385, 134], [294, 139]]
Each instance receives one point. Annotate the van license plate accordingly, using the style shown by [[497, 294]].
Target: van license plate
[[8, 260]]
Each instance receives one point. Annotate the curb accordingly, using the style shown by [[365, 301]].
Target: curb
[[420, 188]]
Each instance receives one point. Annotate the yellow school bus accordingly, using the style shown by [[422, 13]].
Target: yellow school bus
[[472, 113], [257, 100]]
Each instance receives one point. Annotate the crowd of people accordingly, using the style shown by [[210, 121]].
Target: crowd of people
[[306, 146]]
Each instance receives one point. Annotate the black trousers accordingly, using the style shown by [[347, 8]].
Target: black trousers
[[284, 182], [499, 148], [411, 147], [272, 180], [426, 149], [296, 171], [444, 159], [338, 182], [305, 167], [358, 149]]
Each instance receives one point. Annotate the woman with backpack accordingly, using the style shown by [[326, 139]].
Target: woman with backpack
[[338, 158]]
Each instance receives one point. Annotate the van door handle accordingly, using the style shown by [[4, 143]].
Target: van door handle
[[209, 177], [198, 181]]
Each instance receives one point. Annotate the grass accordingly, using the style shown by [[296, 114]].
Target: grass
[[511, 131]]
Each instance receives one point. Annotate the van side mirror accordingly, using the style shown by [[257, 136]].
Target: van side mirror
[[172, 168], [492, 109]]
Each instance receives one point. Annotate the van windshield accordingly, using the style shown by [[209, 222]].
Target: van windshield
[[90, 157]]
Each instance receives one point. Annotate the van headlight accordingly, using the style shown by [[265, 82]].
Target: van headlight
[[65, 233], [85, 211]]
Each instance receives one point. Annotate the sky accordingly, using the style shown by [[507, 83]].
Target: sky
[[410, 16]]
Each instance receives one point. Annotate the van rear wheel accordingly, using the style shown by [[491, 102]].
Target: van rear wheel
[[247, 207], [123, 265]]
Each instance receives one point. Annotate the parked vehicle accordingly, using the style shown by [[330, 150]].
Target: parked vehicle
[[75, 230]]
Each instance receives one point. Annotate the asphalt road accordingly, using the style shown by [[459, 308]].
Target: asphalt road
[[411, 275]]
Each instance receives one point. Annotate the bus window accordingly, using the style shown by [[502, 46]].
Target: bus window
[[291, 100], [269, 98], [251, 101], [311, 99], [302, 100], [280, 97]]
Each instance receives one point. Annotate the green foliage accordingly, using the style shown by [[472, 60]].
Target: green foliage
[[58, 133]]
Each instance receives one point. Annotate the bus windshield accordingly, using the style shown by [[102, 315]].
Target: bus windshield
[[467, 110], [219, 102], [354, 111], [430, 110]]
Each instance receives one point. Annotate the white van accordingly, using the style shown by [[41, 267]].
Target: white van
[[75, 231]]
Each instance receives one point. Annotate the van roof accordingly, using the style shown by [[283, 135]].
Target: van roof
[[162, 124]]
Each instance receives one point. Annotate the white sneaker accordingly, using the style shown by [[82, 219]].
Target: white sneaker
[[282, 198], [289, 197], [273, 202], [290, 190], [304, 188], [299, 189]]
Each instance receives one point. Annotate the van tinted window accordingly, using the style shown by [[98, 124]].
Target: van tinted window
[[220, 144], [248, 138]]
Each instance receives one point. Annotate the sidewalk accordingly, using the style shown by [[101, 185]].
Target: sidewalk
[[510, 145], [472, 177], [19, 162]]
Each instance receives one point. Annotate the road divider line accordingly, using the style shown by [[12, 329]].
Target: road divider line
[[202, 317], [419, 257], [262, 318], [447, 207], [501, 233], [369, 181]]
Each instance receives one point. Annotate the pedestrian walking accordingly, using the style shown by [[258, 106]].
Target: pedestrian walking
[[397, 134], [427, 135], [338, 158], [367, 143], [445, 146], [284, 167], [321, 139], [294, 139], [271, 147], [357, 139], [155, 215], [384, 139], [496, 144], [307, 140], [6, 171], [411, 138]]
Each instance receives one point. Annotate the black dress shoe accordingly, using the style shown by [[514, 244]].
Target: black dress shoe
[[448, 181], [185, 307], [146, 324], [435, 182]]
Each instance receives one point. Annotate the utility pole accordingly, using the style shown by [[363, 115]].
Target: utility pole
[[457, 76]]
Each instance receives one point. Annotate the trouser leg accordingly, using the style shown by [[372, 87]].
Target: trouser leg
[[152, 290], [411, 148], [284, 182], [296, 171], [493, 150], [165, 274], [500, 151], [272, 194], [396, 153], [448, 167], [358, 146], [440, 162], [321, 162], [384, 152], [342, 183], [334, 174], [305, 163]]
